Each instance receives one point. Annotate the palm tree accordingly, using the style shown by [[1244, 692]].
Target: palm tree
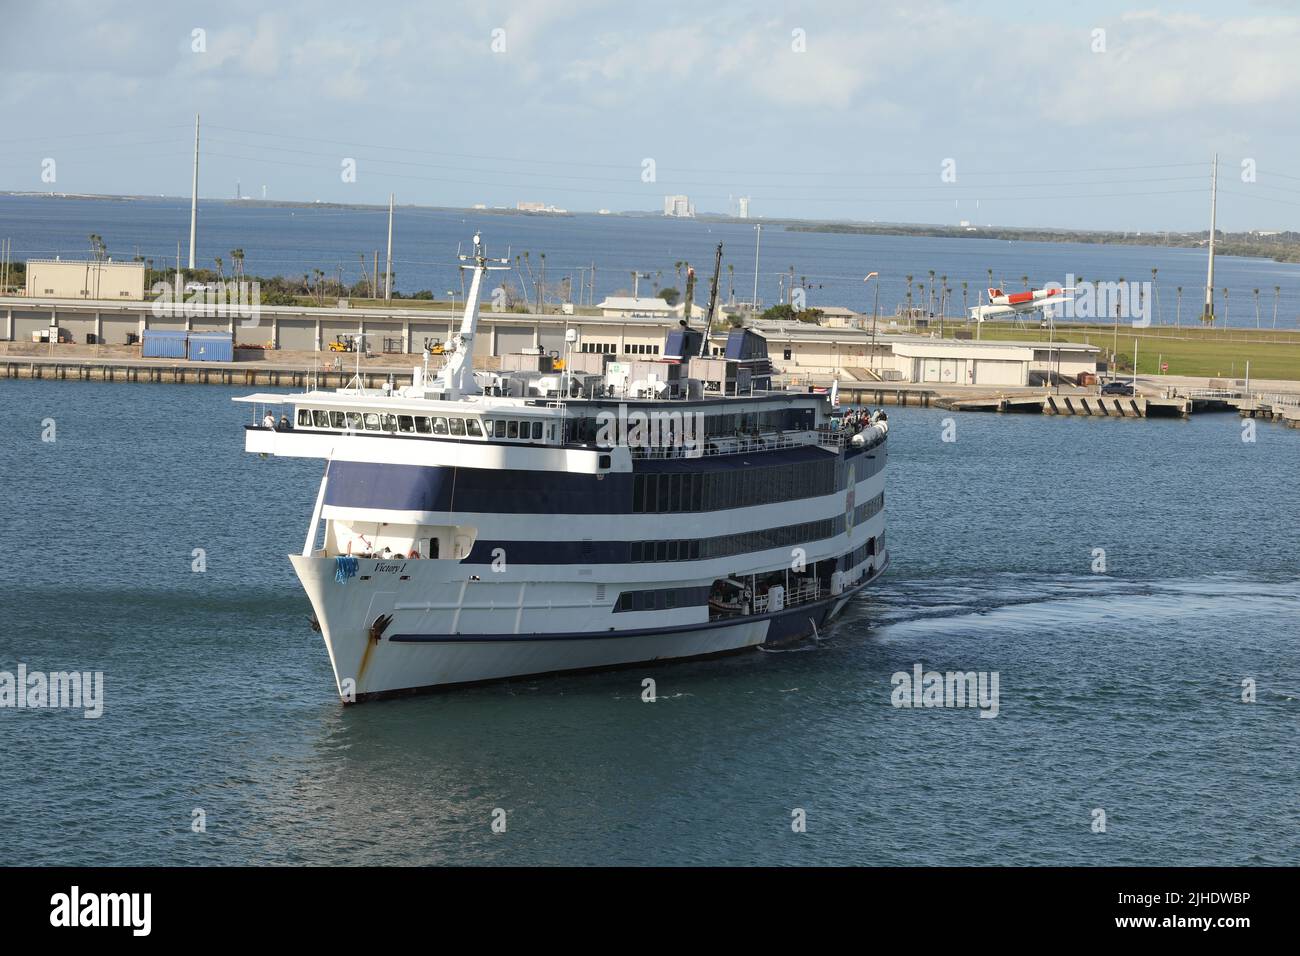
[[1025, 280], [221, 274], [1178, 308], [909, 295], [1277, 293], [237, 262], [1256, 291]]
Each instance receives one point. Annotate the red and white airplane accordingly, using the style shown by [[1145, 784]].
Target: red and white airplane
[[1005, 304]]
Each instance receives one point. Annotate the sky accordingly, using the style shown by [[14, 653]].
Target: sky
[[1000, 113]]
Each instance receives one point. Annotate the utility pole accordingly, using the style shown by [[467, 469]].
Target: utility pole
[[758, 241], [388, 273], [713, 305], [374, 278], [1209, 280], [194, 191]]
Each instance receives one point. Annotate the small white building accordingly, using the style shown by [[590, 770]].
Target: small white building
[[625, 306], [85, 279], [951, 362], [836, 316], [964, 362]]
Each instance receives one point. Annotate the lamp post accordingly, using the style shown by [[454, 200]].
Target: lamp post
[[875, 312]]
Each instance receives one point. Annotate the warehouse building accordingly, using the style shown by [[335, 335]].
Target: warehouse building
[[89, 279]]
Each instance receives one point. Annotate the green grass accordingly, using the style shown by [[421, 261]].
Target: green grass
[[1214, 353]]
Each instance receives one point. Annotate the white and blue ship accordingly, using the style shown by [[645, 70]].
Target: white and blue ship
[[475, 526]]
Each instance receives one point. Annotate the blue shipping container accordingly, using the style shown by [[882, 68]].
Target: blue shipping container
[[212, 347], [161, 343]]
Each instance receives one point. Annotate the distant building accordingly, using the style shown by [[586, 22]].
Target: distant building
[[625, 306], [538, 207], [679, 207], [837, 316], [85, 279], [744, 207]]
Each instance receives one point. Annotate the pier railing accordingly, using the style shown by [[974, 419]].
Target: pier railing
[[1277, 398]]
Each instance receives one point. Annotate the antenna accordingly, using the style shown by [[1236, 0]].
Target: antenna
[[456, 378], [713, 302]]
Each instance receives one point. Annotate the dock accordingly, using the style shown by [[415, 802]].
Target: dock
[[1091, 405], [1279, 407], [241, 374], [1283, 408]]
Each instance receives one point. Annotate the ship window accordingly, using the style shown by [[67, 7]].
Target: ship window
[[661, 550], [473, 428], [405, 423], [389, 422], [304, 416], [322, 419], [512, 429], [337, 420], [354, 421], [664, 490], [458, 427], [422, 426], [440, 426], [625, 601], [501, 428], [372, 422], [537, 431]]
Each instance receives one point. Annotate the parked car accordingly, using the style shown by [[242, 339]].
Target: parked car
[[1117, 388]]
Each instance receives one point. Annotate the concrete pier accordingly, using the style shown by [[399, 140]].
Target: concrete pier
[[1092, 405], [192, 373]]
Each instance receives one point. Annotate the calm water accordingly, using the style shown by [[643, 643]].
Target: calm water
[[1119, 691], [295, 241]]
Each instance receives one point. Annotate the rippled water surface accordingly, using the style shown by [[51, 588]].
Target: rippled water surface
[[1119, 691]]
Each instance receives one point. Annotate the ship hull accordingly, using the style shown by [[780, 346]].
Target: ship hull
[[406, 657]]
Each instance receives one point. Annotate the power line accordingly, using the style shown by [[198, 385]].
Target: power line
[[854, 173]]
